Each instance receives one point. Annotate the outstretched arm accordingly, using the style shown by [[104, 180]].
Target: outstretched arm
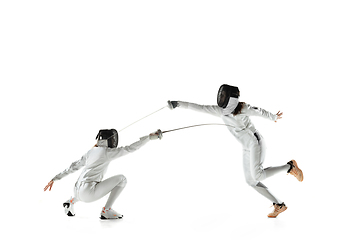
[[73, 167], [122, 151], [249, 110], [210, 109]]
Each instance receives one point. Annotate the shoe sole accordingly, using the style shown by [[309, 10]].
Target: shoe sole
[[104, 218]]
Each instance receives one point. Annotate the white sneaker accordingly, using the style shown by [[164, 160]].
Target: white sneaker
[[69, 207], [109, 213]]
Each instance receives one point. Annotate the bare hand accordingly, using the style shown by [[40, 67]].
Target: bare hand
[[279, 115], [49, 185]]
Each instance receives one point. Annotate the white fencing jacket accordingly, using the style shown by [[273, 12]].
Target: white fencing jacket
[[243, 129], [97, 160]]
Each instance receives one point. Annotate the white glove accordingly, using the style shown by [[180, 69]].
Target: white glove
[[156, 135]]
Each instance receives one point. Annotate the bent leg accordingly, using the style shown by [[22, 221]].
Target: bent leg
[[257, 185], [257, 157], [92, 192], [271, 171], [116, 191]]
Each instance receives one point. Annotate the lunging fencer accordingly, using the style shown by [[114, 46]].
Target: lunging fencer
[[90, 186], [236, 115]]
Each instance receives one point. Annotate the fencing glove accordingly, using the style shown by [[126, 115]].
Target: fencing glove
[[156, 135]]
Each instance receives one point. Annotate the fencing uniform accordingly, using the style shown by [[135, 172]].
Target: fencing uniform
[[253, 143], [90, 185]]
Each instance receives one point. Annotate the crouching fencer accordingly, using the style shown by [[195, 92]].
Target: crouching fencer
[[90, 186], [236, 115]]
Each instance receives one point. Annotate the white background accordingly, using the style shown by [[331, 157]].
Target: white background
[[70, 68]]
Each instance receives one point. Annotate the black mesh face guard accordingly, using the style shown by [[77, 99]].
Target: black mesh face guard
[[225, 93], [110, 135], [113, 140]]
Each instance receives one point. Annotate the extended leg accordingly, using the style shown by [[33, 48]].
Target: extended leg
[[263, 190]]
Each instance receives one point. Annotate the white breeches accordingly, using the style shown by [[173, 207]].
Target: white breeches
[[253, 158], [89, 192]]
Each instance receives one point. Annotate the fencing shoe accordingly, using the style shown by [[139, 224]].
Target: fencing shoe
[[278, 208], [69, 207], [108, 213], [295, 171]]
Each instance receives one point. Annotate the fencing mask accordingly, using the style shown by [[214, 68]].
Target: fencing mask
[[227, 98], [107, 138]]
